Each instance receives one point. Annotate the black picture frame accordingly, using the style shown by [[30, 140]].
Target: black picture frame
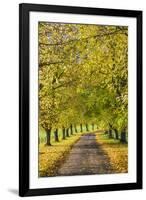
[[24, 10]]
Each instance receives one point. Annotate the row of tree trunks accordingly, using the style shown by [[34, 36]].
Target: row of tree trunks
[[122, 135], [65, 133]]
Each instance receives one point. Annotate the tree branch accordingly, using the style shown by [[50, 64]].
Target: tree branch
[[50, 63], [64, 84], [83, 39]]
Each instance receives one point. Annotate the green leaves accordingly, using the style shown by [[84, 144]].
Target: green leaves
[[83, 74]]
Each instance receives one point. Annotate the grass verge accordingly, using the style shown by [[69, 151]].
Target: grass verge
[[117, 152]]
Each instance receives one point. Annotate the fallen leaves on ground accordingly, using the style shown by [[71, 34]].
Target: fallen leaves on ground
[[116, 151], [50, 157]]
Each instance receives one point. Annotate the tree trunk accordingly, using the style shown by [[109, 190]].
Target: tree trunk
[[48, 133], [110, 133], [56, 135], [123, 136], [76, 129], [116, 134], [63, 133], [81, 126], [87, 129], [71, 129], [92, 127], [67, 132]]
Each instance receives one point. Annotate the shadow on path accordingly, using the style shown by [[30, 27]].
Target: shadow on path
[[86, 157]]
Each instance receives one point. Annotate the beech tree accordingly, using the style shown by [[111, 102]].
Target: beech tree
[[83, 78]]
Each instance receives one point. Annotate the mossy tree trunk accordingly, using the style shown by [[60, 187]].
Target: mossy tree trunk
[[67, 132], [75, 128], [48, 134], [110, 133], [63, 133], [123, 136], [81, 127], [56, 135], [87, 128], [116, 134], [71, 129]]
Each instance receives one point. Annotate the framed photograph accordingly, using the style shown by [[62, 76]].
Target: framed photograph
[[80, 100]]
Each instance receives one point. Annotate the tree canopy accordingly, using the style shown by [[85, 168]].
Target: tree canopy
[[83, 75]]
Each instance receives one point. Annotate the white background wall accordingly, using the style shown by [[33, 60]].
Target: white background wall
[[9, 97]]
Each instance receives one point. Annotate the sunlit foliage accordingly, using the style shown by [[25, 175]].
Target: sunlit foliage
[[83, 76], [83, 84]]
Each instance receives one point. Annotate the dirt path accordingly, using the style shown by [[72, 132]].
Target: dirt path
[[86, 157]]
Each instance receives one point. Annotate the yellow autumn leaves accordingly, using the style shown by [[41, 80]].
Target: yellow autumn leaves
[[117, 153], [50, 157]]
